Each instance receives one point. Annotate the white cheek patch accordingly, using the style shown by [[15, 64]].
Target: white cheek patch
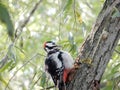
[[47, 49], [49, 44]]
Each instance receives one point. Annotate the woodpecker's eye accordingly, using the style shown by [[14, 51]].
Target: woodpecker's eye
[[53, 43]]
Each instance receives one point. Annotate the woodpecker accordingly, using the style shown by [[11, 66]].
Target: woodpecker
[[58, 64]]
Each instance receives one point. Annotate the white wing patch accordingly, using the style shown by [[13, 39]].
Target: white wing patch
[[56, 59], [67, 60]]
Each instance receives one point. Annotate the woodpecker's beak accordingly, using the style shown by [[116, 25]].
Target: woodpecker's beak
[[45, 49]]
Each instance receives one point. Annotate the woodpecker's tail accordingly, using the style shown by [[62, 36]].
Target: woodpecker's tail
[[62, 86]]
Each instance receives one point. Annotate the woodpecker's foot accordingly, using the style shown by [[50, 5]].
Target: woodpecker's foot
[[77, 63]]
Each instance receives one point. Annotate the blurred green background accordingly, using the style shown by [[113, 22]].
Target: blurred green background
[[24, 27]]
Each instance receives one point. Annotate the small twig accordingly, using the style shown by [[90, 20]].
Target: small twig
[[74, 5], [117, 51], [42, 55], [20, 49], [48, 88], [47, 80], [5, 58], [89, 6], [33, 77], [19, 69], [3, 61], [37, 80], [27, 19], [59, 34]]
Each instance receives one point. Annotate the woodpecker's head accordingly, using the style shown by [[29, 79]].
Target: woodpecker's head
[[50, 46]]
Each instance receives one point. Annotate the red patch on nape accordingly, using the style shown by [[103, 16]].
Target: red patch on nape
[[44, 44]]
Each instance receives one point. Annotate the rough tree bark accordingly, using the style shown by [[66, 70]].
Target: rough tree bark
[[98, 47]]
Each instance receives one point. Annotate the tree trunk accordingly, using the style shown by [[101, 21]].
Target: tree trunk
[[98, 48]]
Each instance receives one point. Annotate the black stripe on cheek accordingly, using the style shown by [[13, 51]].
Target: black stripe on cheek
[[45, 49], [51, 47]]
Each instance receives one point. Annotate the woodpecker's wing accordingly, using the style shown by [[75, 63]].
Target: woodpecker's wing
[[55, 68], [67, 60]]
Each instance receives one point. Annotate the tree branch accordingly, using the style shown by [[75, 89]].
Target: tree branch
[[26, 20], [48, 88], [5, 58], [20, 69], [98, 47]]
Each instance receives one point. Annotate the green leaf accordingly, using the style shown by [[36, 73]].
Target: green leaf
[[116, 13], [12, 56], [11, 52], [11, 62], [43, 80], [116, 67], [71, 38], [67, 6], [12, 65], [2, 79], [79, 18], [5, 18], [6, 66], [116, 75]]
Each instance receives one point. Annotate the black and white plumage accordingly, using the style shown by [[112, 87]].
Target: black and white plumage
[[57, 63]]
